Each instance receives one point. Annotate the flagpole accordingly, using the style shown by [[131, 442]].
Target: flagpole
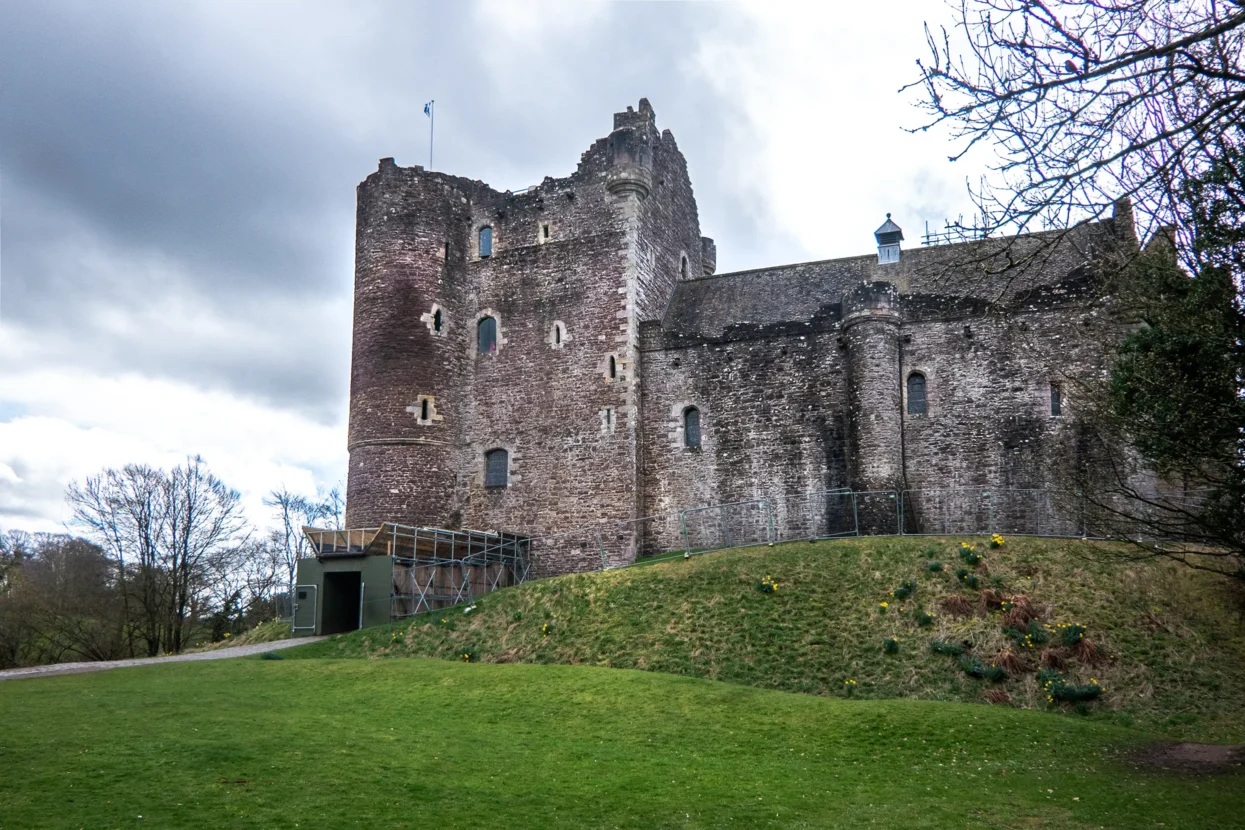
[[432, 125]]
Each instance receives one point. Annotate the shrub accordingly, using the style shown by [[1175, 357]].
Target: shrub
[[467, 656], [906, 589], [961, 574], [975, 668], [767, 585], [934, 567], [947, 647], [546, 629], [1031, 636], [996, 541], [1070, 633], [1056, 688], [272, 655], [971, 581], [970, 555], [516, 616], [891, 645], [923, 619], [849, 686]]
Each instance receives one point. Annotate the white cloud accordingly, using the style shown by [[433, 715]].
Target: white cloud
[[89, 422], [819, 142]]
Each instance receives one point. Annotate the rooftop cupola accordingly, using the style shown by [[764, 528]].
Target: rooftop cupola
[[889, 236]]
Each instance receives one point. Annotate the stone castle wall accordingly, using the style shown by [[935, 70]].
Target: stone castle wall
[[799, 373]]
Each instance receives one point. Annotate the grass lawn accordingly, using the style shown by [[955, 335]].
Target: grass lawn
[[1169, 642], [321, 743]]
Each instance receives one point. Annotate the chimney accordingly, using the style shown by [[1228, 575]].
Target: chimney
[[888, 236]]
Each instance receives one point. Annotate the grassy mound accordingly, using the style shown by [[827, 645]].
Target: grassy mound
[[343, 743], [265, 632], [1164, 646]]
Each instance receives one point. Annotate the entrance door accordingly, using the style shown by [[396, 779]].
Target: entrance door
[[343, 595], [305, 607]]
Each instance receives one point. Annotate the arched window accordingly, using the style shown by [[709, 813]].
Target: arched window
[[496, 468], [437, 321], [486, 335], [916, 394], [486, 242], [613, 368], [691, 428], [1056, 400]]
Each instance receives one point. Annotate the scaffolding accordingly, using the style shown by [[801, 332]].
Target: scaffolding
[[432, 568]]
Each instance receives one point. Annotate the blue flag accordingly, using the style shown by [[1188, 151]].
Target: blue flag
[[428, 109]]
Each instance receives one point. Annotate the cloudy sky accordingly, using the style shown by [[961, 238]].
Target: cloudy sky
[[177, 189]]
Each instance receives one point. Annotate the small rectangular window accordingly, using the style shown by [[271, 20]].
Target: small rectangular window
[[302, 594], [1056, 401], [486, 242], [496, 468]]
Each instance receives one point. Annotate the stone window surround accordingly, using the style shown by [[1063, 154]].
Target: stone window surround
[[417, 408], [620, 368], [552, 339], [428, 318], [676, 426], [909, 372], [541, 224], [501, 336], [514, 464], [475, 241], [609, 420]]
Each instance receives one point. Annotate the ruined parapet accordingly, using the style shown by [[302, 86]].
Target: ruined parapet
[[631, 152], [708, 256], [870, 327], [409, 329]]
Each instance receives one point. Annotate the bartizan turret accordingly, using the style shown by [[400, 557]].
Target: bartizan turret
[[871, 330]]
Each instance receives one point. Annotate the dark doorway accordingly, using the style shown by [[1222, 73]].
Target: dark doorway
[[342, 599]]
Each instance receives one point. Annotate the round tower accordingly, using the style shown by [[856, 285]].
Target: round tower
[[407, 351], [871, 331]]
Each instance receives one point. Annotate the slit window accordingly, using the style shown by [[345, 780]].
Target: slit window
[[496, 468], [437, 321], [486, 335], [1056, 400], [916, 394], [613, 368], [557, 335], [691, 428], [544, 231], [683, 268], [486, 242], [423, 410]]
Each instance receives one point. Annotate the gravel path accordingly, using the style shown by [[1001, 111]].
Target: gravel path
[[217, 654]]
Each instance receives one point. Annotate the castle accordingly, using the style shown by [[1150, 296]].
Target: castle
[[548, 359]]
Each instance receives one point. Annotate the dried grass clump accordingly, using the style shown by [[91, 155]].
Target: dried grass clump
[[998, 697], [1087, 652], [1010, 660], [957, 606], [1052, 658], [991, 600]]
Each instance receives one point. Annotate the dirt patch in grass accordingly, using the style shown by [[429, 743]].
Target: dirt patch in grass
[[1191, 759]]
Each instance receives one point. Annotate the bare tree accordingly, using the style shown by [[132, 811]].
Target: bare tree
[[1087, 101], [202, 523], [122, 510], [294, 512]]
